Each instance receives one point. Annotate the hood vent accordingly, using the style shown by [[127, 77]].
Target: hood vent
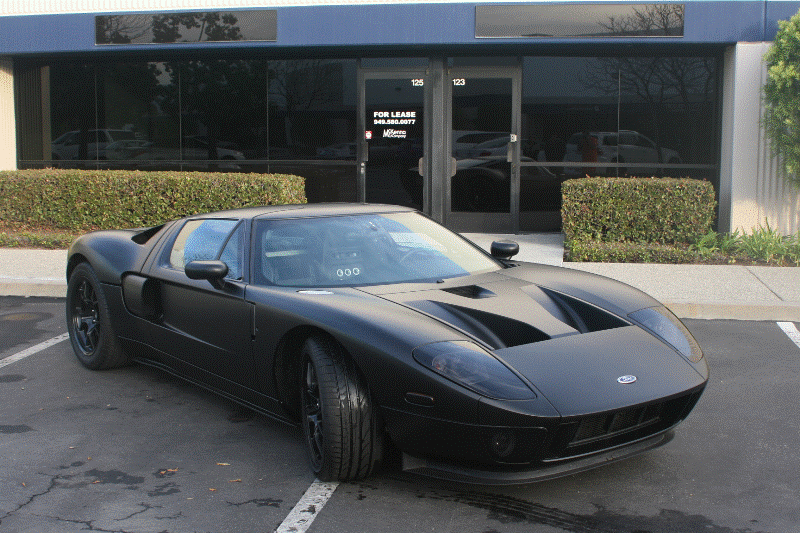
[[495, 330], [471, 291], [582, 316]]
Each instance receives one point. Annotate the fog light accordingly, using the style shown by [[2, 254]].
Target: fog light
[[502, 443]]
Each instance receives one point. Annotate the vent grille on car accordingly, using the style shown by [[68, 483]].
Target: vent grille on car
[[601, 431]]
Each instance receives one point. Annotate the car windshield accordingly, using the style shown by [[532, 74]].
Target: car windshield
[[356, 250]]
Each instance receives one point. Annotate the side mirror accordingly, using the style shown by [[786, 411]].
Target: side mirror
[[212, 271], [504, 249]]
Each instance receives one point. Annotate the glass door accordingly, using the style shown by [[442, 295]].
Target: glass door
[[392, 137], [484, 108]]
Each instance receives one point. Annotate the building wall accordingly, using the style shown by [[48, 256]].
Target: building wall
[[42, 7], [8, 134], [753, 191]]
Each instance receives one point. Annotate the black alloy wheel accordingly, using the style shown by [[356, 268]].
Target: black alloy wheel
[[85, 318], [89, 322], [339, 423], [313, 417]]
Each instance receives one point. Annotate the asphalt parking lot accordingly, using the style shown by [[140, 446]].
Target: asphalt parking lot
[[135, 450]]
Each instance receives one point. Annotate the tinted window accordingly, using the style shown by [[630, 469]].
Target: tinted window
[[202, 240], [362, 250]]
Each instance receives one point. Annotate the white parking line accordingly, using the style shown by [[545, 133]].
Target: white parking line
[[791, 330], [33, 349], [307, 508]]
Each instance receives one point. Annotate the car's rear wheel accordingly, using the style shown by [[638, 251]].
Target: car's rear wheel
[[89, 322], [338, 418]]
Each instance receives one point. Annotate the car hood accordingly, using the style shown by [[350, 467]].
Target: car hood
[[564, 331]]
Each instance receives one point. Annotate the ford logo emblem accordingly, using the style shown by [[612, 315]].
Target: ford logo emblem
[[626, 380]]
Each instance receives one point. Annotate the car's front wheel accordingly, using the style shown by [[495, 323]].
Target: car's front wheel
[[89, 322], [339, 422]]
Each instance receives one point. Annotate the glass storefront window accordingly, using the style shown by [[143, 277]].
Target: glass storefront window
[[612, 115], [72, 115], [291, 116], [644, 113], [312, 125], [616, 116]]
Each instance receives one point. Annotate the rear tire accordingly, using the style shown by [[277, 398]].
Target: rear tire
[[89, 322], [339, 423]]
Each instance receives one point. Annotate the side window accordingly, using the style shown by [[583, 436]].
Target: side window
[[204, 240], [233, 253], [647, 143], [627, 138]]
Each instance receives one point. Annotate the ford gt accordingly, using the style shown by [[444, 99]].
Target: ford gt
[[390, 339]]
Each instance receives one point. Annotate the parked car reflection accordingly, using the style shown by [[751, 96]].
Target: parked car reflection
[[67, 147], [493, 147], [338, 151], [625, 147], [465, 141], [195, 152], [483, 185]]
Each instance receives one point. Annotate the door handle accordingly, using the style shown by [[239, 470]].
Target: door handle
[[510, 151]]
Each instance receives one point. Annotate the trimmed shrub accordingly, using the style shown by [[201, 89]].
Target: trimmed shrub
[[638, 210], [630, 252], [85, 199]]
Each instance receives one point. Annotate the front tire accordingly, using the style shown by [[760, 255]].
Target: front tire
[[89, 322], [339, 423]]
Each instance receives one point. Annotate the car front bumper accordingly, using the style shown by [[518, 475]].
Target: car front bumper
[[544, 471]]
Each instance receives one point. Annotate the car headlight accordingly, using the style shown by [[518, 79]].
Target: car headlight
[[662, 323], [473, 367]]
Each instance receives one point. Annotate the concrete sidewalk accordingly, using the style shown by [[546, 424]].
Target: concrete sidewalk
[[691, 291]]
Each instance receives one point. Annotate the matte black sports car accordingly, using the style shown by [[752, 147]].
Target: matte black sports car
[[385, 335]]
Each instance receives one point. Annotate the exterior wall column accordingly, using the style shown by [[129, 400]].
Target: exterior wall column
[[8, 129], [753, 191]]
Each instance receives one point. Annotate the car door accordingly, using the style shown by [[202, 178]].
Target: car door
[[205, 329]]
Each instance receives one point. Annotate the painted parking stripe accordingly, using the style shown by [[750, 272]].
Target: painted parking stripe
[[791, 330], [307, 508], [33, 349]]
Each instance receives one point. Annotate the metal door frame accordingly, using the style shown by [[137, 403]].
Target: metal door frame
[[486, 222], [382, 73]]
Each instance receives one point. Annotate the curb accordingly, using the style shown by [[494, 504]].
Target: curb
[[758, 311], [33, 288]]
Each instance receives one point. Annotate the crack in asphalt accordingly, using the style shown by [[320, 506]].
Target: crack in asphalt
[[53, 484], [100, 477], [89, 525], [145, 507], [261, 502]]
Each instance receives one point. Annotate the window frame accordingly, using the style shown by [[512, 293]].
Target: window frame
[[166, 261]]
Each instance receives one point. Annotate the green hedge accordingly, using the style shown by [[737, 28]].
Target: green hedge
[[638, 210], [629, 252], [85, 199]]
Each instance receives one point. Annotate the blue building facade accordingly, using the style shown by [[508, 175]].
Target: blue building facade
[[472, 112]]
